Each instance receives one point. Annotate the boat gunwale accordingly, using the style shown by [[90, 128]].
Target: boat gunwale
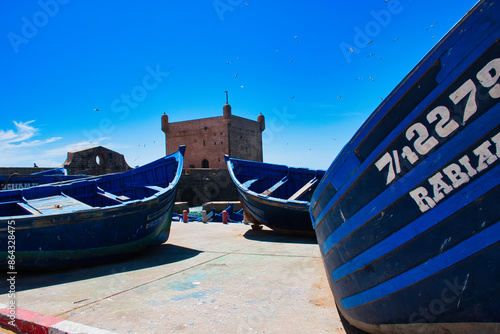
[[100, 211], [267, 199]]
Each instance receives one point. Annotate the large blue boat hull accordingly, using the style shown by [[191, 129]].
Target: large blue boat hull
[[89, 221], [276, 196], [290, 218], [406, 215]]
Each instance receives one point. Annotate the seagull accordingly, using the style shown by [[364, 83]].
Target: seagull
[[340, 97], [370, 55], [370, 42], [432, 25], [236, 75], [96, 109]]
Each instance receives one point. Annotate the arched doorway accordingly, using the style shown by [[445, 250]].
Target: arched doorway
[[204, 163]]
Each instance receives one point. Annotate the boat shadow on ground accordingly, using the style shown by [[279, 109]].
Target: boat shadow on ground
[[273, 236], [349, 329], [150, 257]]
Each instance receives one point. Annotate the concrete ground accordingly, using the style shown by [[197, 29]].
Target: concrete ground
[[207, 278]]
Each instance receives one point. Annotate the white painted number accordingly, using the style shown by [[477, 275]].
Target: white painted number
[[423, 144], [488, 80], [384, 161], [444, 127], [468, 88]]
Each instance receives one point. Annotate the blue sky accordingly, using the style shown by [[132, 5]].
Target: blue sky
[[77, 74]]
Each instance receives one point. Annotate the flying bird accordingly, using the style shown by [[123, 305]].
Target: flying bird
[[432, 25], [96, 109]]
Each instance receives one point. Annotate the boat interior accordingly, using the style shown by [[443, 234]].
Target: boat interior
[[93, 192], [277, 181]]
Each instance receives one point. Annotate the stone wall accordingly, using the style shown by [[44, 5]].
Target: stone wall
[[208, 139], [95, 161], [90, 161], [201, 185], [245, 139], [205, 139]]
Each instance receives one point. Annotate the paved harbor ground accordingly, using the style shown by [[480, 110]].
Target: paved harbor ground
[[207, 278]]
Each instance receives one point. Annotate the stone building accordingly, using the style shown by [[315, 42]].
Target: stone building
[[208, 139], [96, 160]]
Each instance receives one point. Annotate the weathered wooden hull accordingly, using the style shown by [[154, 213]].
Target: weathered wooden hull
[[275, 210], [73, 224], [281, 217], [406, 215]]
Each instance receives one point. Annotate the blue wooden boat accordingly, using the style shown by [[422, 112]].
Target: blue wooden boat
[[89, 220], [17, 181], [406, 216], [275, 195], [238, 216]]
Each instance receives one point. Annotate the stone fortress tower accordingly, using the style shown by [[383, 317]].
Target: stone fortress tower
[[208, 139]]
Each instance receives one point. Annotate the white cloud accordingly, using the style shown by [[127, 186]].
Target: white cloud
[[18, 146], [23, 131]]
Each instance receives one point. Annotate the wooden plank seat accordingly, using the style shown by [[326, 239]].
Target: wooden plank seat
[[29, 209], [248, 183], [118, 199], [54, 204], [275, 186], [154, 188], [304, 189]]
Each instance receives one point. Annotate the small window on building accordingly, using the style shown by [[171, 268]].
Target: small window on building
[[204, 163], [203, 142]]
